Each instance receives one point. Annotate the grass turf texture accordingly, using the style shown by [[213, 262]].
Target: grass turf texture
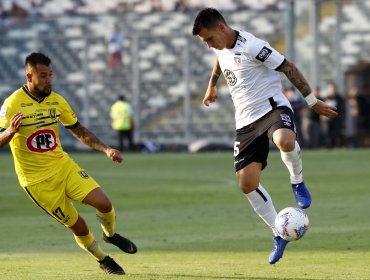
[[190, 221]]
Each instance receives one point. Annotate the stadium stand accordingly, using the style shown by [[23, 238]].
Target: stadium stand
[[164, 65]]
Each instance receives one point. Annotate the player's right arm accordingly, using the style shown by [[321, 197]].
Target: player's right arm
[[211, 93], [7, 134]]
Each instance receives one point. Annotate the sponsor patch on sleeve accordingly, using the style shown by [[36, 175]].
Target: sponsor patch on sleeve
[[264, 54], [3, 111]]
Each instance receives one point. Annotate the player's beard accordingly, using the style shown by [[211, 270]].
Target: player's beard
[[43, 93]]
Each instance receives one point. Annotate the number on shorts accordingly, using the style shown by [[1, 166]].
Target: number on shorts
[[236, 148], [59, 213]]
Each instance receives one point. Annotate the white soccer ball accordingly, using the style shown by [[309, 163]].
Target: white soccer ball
[[291, 223]]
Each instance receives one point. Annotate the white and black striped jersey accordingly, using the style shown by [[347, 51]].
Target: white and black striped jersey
[[249, 69]]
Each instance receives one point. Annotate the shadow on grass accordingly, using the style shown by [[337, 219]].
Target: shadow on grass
[[184, 276]]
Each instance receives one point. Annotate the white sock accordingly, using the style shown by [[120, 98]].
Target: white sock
[[293, 162], [263, 206]]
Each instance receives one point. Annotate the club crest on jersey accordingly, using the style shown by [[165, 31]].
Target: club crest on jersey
[[230, 77], [53, 113], [42, 141], [238, 58], [264, 54]]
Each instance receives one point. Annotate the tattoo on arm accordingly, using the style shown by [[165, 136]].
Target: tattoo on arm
[[5, 137], [216, 72], [88, 138], [296, 78]]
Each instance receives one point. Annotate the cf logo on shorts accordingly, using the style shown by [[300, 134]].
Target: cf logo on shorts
[[230, 77], [42, 141]]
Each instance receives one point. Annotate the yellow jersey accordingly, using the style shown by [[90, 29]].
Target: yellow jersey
[[121, 116], [36, 146]]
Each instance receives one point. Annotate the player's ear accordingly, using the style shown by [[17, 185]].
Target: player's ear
[[28, 77], [221, 26]]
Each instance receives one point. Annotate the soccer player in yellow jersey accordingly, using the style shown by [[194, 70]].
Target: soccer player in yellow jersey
[[29, 123]]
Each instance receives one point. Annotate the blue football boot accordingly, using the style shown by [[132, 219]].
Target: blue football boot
[[302, 195], [278, 249]]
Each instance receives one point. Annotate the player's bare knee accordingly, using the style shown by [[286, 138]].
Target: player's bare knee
[[245, 188], [105, 205], [286, 145], [80, 228]]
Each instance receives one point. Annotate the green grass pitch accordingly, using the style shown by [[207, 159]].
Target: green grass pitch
[[190, 221]]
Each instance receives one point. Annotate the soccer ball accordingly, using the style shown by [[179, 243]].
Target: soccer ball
[[291, 223]]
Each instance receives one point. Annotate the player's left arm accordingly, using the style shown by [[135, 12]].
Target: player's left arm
[[298, 80], [88, 138]]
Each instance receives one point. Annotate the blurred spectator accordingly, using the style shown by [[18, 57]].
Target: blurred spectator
[[335, 125], [3, 15], [181, 6], [156, 5], [351, 118], [298, 104], [123, 122], [311, 127], [115, 49], [17, 10], [364, 109], [35, 9]]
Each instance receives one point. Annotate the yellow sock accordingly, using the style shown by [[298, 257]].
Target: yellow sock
[[107, 221], [89, 244]]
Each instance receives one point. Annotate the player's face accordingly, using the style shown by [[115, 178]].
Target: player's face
[[214, 38], [41, 79]]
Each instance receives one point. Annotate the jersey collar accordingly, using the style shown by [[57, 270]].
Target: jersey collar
[[25, 89], [236, 39]]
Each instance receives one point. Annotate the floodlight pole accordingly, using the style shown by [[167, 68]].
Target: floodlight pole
[[338, 47], [290, 27], [187, 94], [136, 86], [314, 19]]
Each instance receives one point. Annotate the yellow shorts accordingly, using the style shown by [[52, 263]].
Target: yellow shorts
[[55, 194]]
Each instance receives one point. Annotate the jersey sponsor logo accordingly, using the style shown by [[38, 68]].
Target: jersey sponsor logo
[[83, 174], [26, 104], [42, 141], [230, 77], [264, 54], [3, 111], [242, 39]]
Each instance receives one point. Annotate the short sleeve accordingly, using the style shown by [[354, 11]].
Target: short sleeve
[[262, 52], [6, 113], [67, 117]]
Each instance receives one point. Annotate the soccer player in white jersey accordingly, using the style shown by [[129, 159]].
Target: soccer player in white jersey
[[29, 123], [252, 69]]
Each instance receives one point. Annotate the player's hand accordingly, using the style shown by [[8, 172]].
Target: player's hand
[[15, 122], [114, 155], [325, 109], [210, 96]]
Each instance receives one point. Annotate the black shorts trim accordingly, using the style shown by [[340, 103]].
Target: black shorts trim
[[35, 201]]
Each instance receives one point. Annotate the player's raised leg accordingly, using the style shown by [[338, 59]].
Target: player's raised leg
[[87, 242], [290, 151], [262, 204], [106, 215]]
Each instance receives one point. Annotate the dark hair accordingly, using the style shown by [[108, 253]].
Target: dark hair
[[37, 58], [208, 18], [122, 98]]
